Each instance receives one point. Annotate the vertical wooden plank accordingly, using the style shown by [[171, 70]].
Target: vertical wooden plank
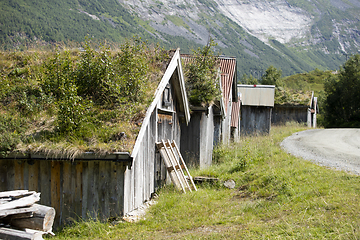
[[34, 168], [78, 194], [113, 190], [10, 165], [55, 191], [104, 172], [85, 190], [3, 176], [45, 182], [120, 177], [96, 189], [19, 174], [26, 175], [93, 195], [68, 191]]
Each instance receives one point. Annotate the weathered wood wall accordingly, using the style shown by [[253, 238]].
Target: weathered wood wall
[[197, 139], [255, 120], [86, 189], [282, 114], [148, 171]]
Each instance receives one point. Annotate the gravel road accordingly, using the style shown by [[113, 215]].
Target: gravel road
[[337, 148]]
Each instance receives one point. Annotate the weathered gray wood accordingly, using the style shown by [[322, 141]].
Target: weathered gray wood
[[19, 174], [78, 194], [7, 220], [45, 182], [120, 193], [22, 202], [85, 189], [30, 209], [10, 172], [34, 169], [182, 162], [42, 219], [55, 190], [103, 193], [67, 192], [174, 174], [12, 234], [15, 193]]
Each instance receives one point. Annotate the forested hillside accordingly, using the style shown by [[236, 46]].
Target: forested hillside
[[189, 24]]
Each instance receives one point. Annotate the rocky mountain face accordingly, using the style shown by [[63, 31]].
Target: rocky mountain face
[[321, 27], [294, 35]]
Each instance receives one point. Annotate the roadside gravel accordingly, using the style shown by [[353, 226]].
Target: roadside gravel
[[335, 148]]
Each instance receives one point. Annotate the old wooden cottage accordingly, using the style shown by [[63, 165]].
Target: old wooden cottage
[[213, 124], [103, 186], [257, 102]]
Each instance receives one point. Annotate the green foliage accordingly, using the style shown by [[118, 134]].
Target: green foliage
[[78, 98], [249, 80], [133, 66], [272, 76], [202, 81], [342, 104], [11, 128]]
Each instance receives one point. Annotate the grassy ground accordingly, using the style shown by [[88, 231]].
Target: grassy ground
[[277, 196]]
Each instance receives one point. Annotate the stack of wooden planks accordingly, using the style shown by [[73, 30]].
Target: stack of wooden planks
[[22, 218]]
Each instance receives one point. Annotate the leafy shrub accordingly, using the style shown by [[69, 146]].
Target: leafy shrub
[[11, 127], [202, 81]]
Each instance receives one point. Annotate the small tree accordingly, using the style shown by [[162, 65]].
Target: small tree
[[202, 82], [342, 104], [250, 80], [272, 76]]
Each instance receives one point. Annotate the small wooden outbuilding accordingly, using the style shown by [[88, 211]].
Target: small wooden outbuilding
[[104, 186], [257, 102], [303, 111], [211, 125]]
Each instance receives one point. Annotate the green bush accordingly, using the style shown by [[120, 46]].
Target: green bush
[[202, 82]]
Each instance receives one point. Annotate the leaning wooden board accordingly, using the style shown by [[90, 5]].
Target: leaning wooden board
[[170, 155]]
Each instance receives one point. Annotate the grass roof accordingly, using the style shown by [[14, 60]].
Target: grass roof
[[63, 102]]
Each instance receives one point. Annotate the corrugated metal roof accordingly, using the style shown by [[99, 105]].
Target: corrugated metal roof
[[235, 112], [257, 95], [226, 83], [228, 67]]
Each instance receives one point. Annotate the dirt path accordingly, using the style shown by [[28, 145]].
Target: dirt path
[[338, 148]]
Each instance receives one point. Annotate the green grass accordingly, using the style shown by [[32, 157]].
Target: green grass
[[277, 196]]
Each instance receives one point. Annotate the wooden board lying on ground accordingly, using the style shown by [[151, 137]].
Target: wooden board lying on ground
[[18, 210], [171, 155]]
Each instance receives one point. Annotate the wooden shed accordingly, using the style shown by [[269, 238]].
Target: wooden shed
[[210, 125], [93, 186], [302, 111], [257, 102]]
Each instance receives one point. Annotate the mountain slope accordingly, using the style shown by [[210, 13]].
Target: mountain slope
[[295, 36]]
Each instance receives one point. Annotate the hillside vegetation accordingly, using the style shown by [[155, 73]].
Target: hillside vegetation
[[25, 23]]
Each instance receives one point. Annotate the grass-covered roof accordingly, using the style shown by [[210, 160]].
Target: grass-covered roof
[[69, 101]]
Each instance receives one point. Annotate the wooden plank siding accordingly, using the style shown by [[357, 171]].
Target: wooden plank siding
[[75, 189]]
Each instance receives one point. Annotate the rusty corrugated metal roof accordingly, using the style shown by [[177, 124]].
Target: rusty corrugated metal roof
[[257, 95], [226, 88], [235, 112]]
